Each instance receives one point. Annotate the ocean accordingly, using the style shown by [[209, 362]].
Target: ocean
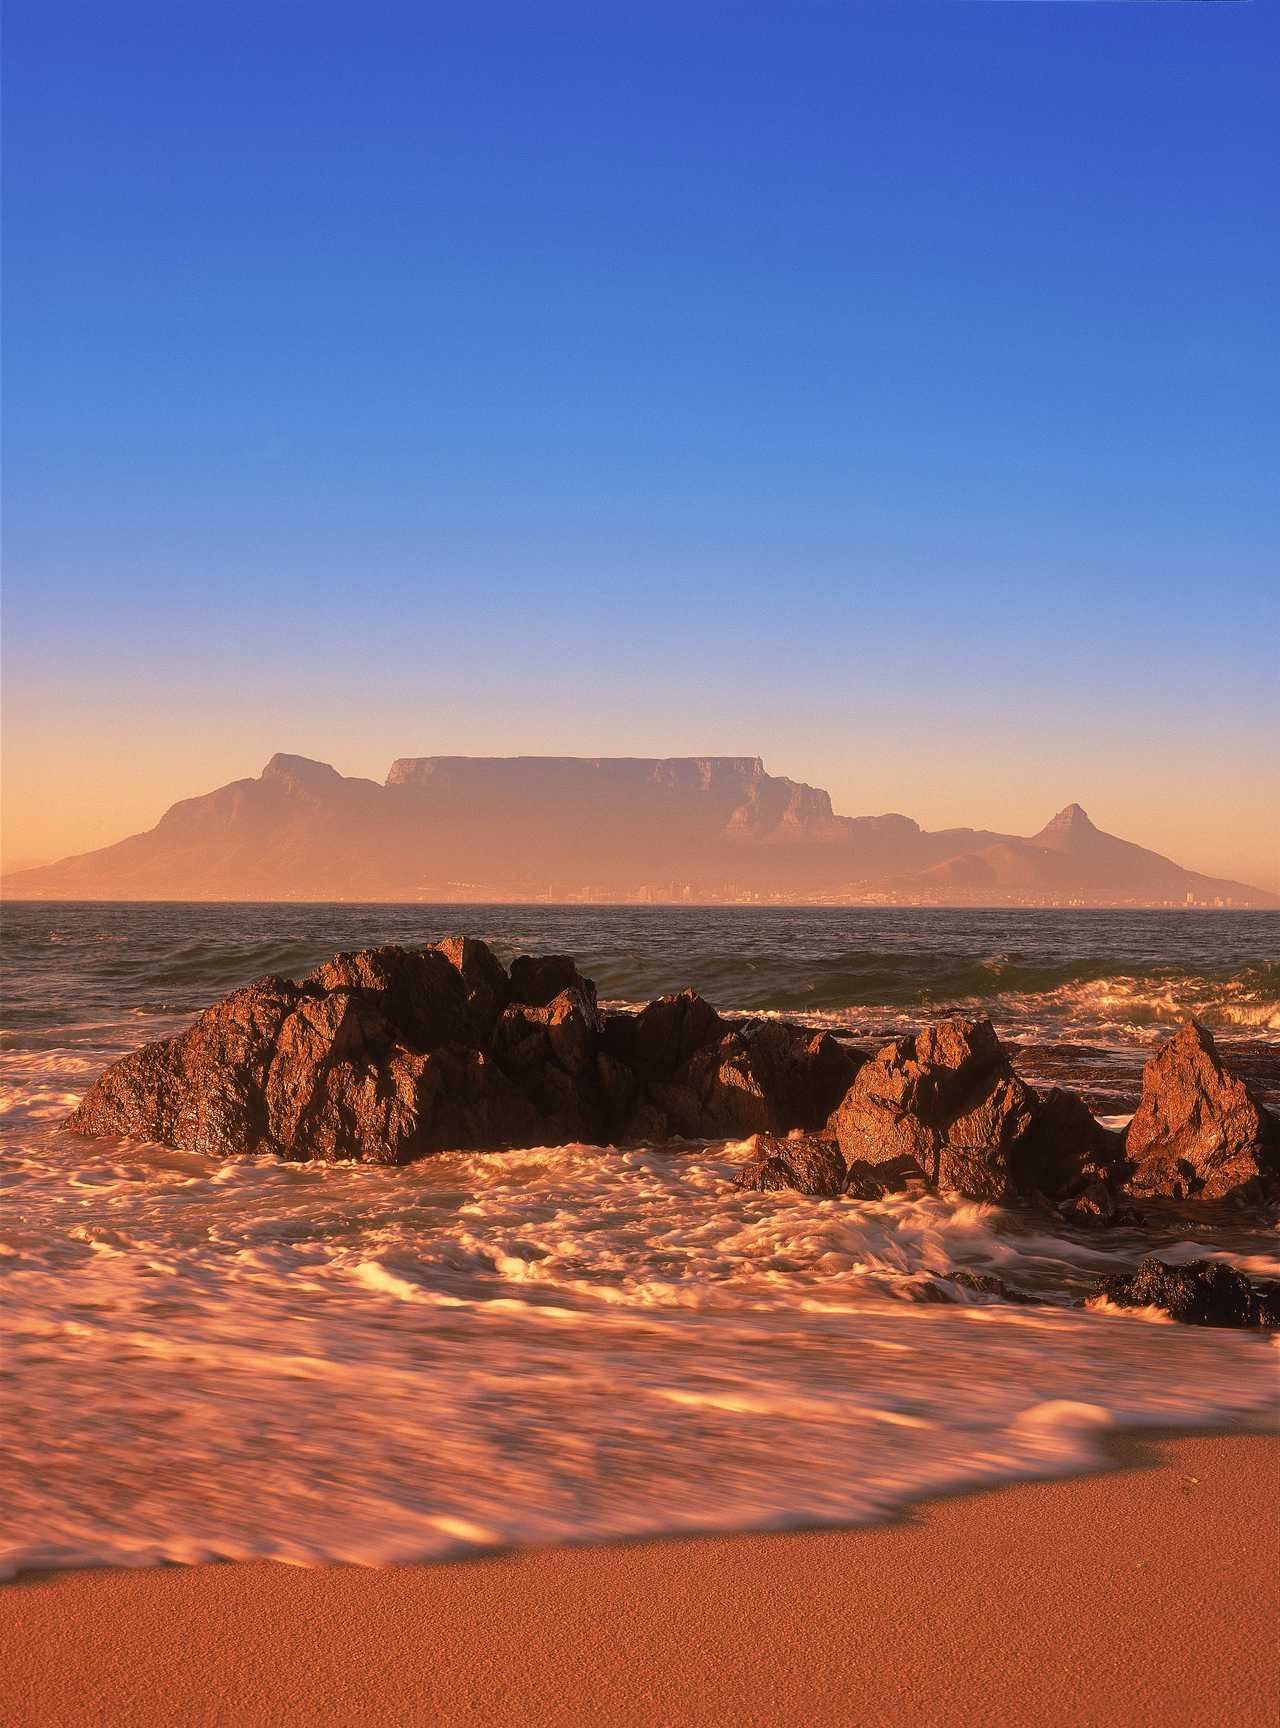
[[317, 1363]]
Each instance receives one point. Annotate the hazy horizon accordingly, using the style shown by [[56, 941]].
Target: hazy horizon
[[797, 387]]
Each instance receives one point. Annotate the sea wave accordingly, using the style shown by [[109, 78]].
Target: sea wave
[[317, 1363]]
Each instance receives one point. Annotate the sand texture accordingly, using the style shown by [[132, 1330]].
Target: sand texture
[[1145, 1595]]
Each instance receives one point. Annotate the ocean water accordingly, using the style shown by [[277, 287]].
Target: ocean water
[[245, 1358]]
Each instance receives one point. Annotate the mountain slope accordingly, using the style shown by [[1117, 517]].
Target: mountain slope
[[455, 827]]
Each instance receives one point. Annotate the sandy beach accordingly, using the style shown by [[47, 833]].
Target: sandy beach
[[1147, 1594]]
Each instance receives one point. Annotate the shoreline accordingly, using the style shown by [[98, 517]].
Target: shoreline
[[1143, 1590]]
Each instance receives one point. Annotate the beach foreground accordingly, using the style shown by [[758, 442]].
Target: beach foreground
[[1147, 1594]]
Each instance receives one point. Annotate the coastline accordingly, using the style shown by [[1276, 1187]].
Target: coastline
[[1144, 1592]]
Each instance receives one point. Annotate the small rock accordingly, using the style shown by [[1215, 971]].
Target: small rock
[[1198, 1293], [805, 1162]]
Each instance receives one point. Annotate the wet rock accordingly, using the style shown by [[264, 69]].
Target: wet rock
[[700, 1077], [1199, 1293], [663, 1036], [1065, 1150], [1199, 1132], [866, 1181], [484, 980], [349, 1064], [987, 1284], [418, 991], [1097, 1207], [537, 979], [949, 1101], [550, 1052], [205, 1089], [805, 1162], [768, 1076]]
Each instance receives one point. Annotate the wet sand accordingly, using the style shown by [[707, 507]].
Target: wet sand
[[1145, 1595]]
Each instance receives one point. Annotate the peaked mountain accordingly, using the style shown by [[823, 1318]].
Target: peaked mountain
[[608, 828]]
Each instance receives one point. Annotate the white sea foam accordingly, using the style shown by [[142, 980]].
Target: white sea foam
[[335, 1363]]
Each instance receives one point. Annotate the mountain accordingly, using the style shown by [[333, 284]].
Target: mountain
[[607, 828]]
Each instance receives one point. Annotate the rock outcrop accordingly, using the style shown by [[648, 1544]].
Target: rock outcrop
[[1199, 1132], [1199, 1293], [373, 1056], [390, 1054], [948, 1101]]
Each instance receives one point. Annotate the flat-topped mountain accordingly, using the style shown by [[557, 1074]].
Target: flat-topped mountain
[[595, 828]]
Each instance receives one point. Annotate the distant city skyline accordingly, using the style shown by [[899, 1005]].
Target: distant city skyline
[[890, 392]]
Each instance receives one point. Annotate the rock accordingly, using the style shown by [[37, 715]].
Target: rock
[[418, 990], [550, 1052], [1199, 1132], [700, 1077], [536, 979], [203, 1090], [987, 1284], [663, 1036], [1066, 1150], [948, 1101], [768, 1076], [805, 1162], [866, 1181], [1096, 1207], [344, 1065], [1199, 1293], [484, 980]]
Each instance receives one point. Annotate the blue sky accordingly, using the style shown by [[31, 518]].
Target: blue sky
[[889, 390]]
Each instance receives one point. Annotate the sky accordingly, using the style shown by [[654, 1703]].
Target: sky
[[888, 390]]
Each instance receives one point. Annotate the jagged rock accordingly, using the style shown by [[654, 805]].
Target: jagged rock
[[760, 1077], [203, 1090], [768, 1076], [664, 1035], [354, 1062], [483, 978], [550, 1051], [419, 991], [536, 979], [948, 1100], [805, 1162], [1199, 1293], [1097, 1207], [866, 1181], [987, 1284], [1066, 1151], [1199, 1132]]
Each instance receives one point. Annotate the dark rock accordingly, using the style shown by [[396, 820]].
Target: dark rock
[[987, 1284], [550, 1052], [948, 1100], [1199, 1293], [704, 1078], [418, 991], [1199, 1132], [769, 1076], [866, 1181], [805, 1162], [204, 1089], [664, 1035], [345, 1065], [1066, 1150], [1097, 1207], [536, 979], [483, 978]]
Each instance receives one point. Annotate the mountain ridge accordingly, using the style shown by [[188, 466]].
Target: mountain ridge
[[702, 828]]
